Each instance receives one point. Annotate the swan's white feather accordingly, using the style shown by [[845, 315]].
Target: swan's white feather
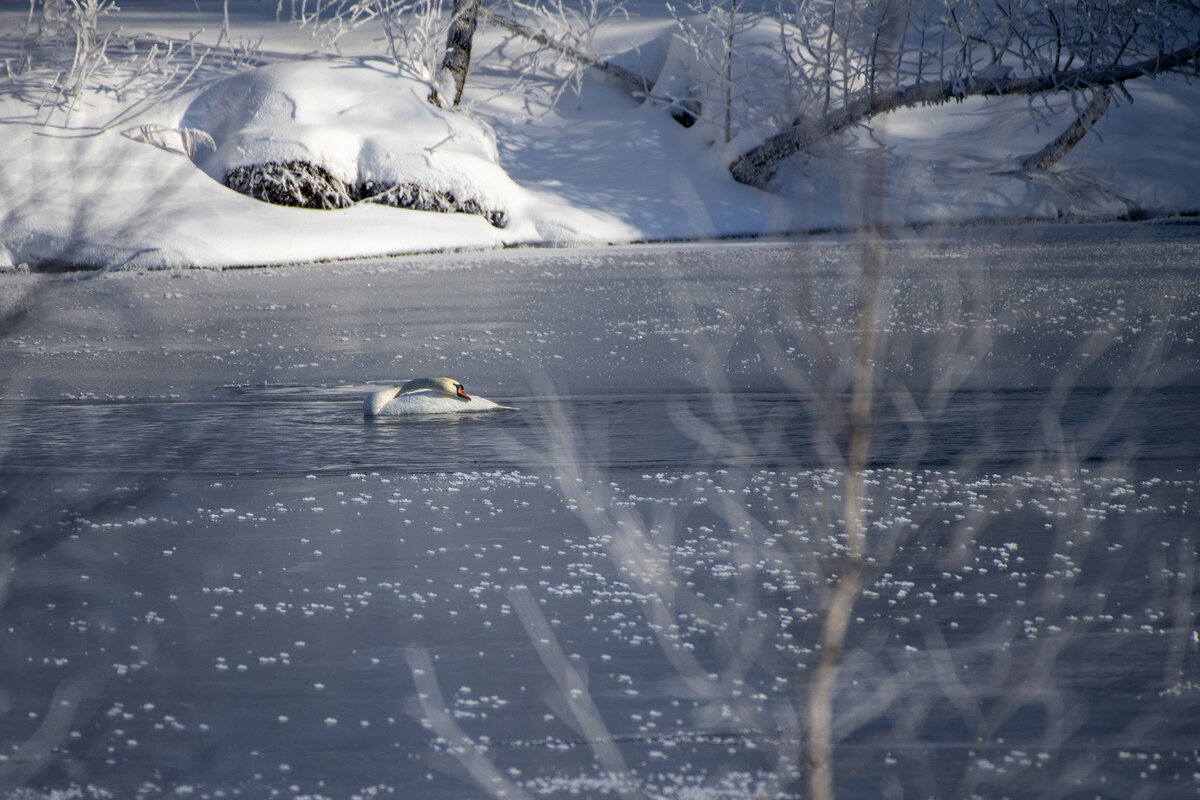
[[425, 396], [428, 403]]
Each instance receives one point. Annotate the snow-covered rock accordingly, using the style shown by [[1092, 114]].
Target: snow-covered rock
[[359, 122]]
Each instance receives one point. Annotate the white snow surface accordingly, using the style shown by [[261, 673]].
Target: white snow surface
[[97, 187]]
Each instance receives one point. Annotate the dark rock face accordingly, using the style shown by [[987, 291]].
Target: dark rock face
[[301, 184], [292, 183], [410, 195]]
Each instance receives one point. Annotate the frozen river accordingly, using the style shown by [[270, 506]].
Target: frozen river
[[218, 580]]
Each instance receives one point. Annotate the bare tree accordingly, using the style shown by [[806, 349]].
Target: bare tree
[[953, 49]]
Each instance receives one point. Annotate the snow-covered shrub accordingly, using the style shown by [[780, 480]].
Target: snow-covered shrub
[[320, 136], [301, 184], [421, 198]]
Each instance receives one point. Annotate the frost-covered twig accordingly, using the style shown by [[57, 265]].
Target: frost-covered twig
[[177, 140], [166, 89], [415, 30], [956, 49], [722, 72], [635, 82]]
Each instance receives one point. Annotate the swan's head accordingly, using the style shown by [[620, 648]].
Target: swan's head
[[446, 386], [454, 388]]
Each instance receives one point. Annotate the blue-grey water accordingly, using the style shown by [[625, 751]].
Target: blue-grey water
[[274, 431], [218, 580]]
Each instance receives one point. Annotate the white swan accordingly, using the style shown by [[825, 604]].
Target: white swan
[[424, 396]]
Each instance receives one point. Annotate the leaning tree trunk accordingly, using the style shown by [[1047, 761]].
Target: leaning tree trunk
[[458, 49], [1049, 155], [756, 167]]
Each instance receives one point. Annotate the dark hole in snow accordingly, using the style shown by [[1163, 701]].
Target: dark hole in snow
[[301, 184], [686, 112]]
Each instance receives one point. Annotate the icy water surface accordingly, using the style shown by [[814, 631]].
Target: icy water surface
[[277, 431], [221, 581]]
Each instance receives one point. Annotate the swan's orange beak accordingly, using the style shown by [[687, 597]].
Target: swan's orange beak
[[463, 394]]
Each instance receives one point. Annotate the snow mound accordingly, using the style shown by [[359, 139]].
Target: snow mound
[[363, 125]]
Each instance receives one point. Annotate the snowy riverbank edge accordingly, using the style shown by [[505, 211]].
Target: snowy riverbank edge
[[591, 168]]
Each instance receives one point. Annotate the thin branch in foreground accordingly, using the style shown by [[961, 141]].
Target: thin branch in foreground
[[464, 749], [574, 690]]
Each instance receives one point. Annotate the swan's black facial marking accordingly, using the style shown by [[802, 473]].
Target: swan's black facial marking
[[458, 388]]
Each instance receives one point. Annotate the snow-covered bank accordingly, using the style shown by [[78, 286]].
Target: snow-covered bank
[[109, 186]]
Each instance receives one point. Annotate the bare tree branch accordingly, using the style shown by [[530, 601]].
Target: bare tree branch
[[757, 166], [462, 747], [635, 82]]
